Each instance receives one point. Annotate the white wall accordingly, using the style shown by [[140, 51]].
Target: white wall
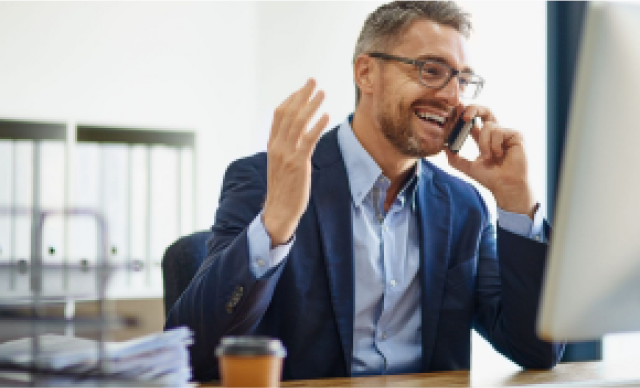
[[298, 40], [161, 65]]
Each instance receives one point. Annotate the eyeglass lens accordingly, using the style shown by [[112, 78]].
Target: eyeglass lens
[[436, 75]]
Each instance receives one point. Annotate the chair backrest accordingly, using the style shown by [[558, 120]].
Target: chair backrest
[[180, 263]]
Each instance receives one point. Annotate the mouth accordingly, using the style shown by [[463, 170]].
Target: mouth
[[438, 120]]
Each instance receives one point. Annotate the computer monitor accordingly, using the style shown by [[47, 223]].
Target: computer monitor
[[592, 281]]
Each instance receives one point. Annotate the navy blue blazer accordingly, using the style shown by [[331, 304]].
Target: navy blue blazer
[[470, 277]]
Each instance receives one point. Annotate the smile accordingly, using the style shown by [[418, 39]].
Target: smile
[[430, 117]]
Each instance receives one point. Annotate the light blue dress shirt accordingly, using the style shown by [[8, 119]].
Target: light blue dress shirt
[[386, 329]]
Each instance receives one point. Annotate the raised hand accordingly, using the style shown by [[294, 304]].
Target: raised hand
[[289, 162], [502, 164]]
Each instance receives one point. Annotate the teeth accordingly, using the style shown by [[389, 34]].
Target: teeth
[[424, 115]]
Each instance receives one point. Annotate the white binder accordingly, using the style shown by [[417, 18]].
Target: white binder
[[6, 202], [138, 224], [52, 198], [114, 203], [83, 231], [23, 190]]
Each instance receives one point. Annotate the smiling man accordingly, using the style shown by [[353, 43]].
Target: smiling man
[[362, 257]]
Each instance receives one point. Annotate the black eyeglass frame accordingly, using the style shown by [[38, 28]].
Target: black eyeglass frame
[[420, 65]]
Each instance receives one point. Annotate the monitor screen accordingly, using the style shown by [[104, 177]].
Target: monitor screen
[[592, 282]]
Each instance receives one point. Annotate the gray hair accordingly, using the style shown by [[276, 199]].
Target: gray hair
[[384, 25]]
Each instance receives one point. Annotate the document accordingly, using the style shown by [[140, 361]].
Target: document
[[158, 359]]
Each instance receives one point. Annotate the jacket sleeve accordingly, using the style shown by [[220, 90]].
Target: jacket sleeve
[[224, 297], [508, 295]]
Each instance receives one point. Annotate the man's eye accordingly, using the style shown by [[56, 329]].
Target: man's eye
[[466, 79], [433, 71]]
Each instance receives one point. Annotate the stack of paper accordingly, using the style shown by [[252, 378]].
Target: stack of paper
[[158, 359]]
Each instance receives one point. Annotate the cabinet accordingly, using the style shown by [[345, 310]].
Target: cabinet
[[141, 181]]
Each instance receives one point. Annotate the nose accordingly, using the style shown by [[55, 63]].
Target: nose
[[450, 91]]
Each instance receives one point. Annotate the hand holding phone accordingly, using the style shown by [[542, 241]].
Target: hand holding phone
[[460, 132]]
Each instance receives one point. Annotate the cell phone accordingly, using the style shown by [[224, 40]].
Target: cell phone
[[460, 132]]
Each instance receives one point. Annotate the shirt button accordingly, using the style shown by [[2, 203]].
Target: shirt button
[[537, 238], [392, 282], [383, 336], [261, 262]]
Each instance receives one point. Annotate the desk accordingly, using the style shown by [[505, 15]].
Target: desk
[[563, 373]]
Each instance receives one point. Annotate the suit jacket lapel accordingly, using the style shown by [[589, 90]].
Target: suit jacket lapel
[[434, 227], [332, 200]]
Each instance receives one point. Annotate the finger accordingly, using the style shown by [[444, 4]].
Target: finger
[[480, 111], [484, 141], [278, 116], [475, 132], [458, 162], [292, 110], [497, 140], [513, 138], [310, 138], [305, 114]]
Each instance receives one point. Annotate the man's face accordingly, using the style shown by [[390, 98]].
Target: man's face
[[401, 99]]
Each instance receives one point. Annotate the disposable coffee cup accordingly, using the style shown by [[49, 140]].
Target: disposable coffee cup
[[250, 361]]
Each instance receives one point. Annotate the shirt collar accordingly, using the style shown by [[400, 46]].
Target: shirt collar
[[362, 171]]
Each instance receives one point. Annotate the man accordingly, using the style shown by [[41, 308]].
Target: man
[[359, 255]]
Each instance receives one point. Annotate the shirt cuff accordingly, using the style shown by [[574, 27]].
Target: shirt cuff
[[261, 256], [522, 225]]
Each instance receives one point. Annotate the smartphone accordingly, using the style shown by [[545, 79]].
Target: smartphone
[[459, 134]]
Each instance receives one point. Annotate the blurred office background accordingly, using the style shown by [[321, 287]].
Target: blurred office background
[[214, 71]]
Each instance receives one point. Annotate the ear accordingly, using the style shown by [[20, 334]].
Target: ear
[[363, 73]]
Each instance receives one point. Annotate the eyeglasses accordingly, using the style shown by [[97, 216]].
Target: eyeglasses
[[437, 75]]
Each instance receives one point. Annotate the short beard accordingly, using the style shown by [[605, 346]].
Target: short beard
[[399, 133]]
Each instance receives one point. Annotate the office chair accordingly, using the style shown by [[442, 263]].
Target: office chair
[[180, 263]]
